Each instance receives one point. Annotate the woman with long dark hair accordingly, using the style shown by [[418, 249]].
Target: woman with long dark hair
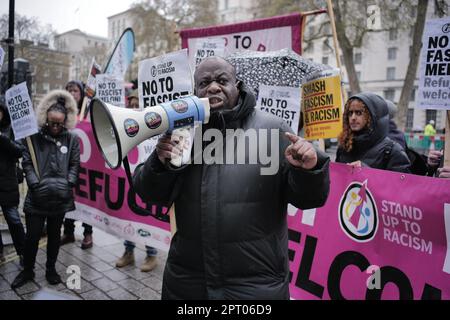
[[364, 140]]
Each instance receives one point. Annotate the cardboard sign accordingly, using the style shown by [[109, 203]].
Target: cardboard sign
[[434, 75], [164, 78], [23, 118], [209, 47], [110, 89], [91, 83], [322, 105], [283, 102]]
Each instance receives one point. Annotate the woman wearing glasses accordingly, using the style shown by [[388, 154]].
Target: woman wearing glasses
[[50, 193], [364, 140]]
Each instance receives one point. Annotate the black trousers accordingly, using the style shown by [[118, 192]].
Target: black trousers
[[35, 224], [16, 230], [69, 227]]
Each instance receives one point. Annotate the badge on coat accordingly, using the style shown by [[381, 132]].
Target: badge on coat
[[63, 149]]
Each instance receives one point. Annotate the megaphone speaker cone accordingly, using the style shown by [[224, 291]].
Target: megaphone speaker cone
[[117, 130], [105, 132]]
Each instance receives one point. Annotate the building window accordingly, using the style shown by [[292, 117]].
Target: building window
[[413, 11], [390, 73], [46, 87], [327, 28], [326, 46], [358, 75], [310, 47], [358, 58], [59, 74], [324, 60], [409, 118], [226, 4], [393, 34], [431, 115], [413, 95], [440, 8], [392, 53], [389, 94]]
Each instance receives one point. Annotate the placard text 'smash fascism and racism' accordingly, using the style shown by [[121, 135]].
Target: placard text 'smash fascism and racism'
[[322, 105]]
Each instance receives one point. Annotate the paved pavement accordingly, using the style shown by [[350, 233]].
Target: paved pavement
[[100, 279]]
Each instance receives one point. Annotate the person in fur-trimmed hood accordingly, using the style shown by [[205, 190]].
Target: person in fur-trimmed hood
[[50, 193]]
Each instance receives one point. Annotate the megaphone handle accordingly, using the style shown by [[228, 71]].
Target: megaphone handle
[[133, 206]]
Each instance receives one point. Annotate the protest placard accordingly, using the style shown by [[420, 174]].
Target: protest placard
[[164, 78], [283, 102], [322, 105], [110, 89], [91, 83], [209, 47], [23, 118], [434, 74]]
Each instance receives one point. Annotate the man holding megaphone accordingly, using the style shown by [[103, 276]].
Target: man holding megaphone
[[232, 239]]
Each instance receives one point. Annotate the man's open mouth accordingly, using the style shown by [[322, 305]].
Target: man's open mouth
[[215, 102]]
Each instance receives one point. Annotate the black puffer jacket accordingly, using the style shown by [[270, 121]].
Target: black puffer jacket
[[373, 147], [232, 240], [10, 152], [396, 135], [52, 194]]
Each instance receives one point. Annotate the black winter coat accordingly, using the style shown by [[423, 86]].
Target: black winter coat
[[396, 135], [10, 152], [232, 237], [373, 147], [58, 161]]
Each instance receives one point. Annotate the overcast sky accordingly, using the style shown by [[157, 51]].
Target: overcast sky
[[87, 15]]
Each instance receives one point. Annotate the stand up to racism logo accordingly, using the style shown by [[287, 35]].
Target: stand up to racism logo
[[358, 214]]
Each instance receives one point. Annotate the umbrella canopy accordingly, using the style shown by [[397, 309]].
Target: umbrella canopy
[[274, 68]]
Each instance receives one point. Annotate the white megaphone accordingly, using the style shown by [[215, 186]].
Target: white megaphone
[[117, 130]]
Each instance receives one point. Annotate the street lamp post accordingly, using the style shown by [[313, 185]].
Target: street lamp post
[[11, 44]]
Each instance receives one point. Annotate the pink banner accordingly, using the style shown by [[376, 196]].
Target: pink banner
[[381, 235], [104, 200], [252, 35]]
